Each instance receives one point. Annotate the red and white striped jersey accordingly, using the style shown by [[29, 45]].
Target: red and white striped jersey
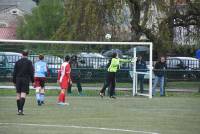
[[64, 74]]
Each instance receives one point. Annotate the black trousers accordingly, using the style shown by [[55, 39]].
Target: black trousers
[[78, 84], [141, 82], [109, 82]]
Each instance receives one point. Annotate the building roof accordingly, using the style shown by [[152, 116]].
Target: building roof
[[8, 33], [24, 5]]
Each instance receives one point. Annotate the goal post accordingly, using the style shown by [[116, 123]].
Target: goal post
[[133, 45]]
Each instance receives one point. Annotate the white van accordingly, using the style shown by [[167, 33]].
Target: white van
[[183, 63]]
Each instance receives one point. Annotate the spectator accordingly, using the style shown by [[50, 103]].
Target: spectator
[[160, 66], [75, 75], [22, 75], [141, 67]]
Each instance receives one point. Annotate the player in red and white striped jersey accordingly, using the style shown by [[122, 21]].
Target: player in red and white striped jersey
[[64, 80]]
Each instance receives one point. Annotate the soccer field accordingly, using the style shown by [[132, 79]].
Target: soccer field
[[93, 115]]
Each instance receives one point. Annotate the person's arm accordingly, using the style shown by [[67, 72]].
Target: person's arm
[[14, 73], [165, 65], [68, 70], [47, 71], [155, 69], [109, 62], [59, 74], [156, 66], [125, 60], [31, 72]]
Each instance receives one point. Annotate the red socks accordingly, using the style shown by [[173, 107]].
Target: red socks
[[61, 97]]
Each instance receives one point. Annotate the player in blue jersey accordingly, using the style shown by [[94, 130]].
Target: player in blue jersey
[[41, 71]]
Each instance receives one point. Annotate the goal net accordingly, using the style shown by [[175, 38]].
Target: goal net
[[92, 59]]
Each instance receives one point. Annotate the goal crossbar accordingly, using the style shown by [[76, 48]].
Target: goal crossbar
[[75, 42]]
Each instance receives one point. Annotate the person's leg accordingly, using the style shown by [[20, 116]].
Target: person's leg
[[37, 90], [61, 97], [18, 97], [64, 86], [78, 84], [37, 93], [161, 86], [22, 102], [24, 91], [42, 90], [69, 90], [106, 84], [42, 95], [154, 85], [141, 80], [112, 86]]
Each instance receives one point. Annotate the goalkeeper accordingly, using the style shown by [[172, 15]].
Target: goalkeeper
[[110, 81]]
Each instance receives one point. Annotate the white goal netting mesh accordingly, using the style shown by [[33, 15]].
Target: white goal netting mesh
[[92, 59]]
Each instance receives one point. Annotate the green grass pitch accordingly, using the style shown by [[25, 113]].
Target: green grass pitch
[[93, 115]]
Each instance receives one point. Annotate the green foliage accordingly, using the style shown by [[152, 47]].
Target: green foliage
[[82, 22], [90, 20], [185, 50], [43, 22]]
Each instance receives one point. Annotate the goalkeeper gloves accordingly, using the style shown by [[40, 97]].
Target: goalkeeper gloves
[[134, 60]]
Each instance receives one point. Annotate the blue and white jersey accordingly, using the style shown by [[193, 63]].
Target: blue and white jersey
[[40, 69]]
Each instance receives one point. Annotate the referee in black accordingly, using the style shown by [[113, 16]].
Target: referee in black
[[22, 75]]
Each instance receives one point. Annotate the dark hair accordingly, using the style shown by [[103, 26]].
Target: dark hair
[[41, 57], [74, 58], [114, 55], [67, 58], [25, 52]]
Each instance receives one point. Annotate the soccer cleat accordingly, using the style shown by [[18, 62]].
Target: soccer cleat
[[134, 60], [67, 104], [42, 102], [101, 95], [113, 97], [63, 104], [80, 94], [39, 103], [20, 112]]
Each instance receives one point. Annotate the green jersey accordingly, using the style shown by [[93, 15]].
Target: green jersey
[[115, 62]]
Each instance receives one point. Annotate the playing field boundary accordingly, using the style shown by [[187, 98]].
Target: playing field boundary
[[98, 88], [78, 127]]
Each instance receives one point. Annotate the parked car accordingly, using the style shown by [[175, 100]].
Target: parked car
[[183, 63], [92, 60], [184, 67], [7, 62], [54, 63]]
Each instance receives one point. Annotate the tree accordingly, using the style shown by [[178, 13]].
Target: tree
[[169, 16], [90, 20], [43, 22]]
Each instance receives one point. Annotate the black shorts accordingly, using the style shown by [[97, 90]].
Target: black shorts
[[22, 85]]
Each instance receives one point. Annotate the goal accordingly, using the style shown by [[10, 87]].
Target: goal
[[125, 50]]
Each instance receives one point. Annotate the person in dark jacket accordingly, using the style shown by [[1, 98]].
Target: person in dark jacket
[[75, 75], [159, 68], [141, 67], [22, 75]]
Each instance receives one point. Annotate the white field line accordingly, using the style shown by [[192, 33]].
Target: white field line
[[80, 127]]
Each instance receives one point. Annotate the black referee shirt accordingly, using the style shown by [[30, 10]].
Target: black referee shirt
[[23, 69]]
